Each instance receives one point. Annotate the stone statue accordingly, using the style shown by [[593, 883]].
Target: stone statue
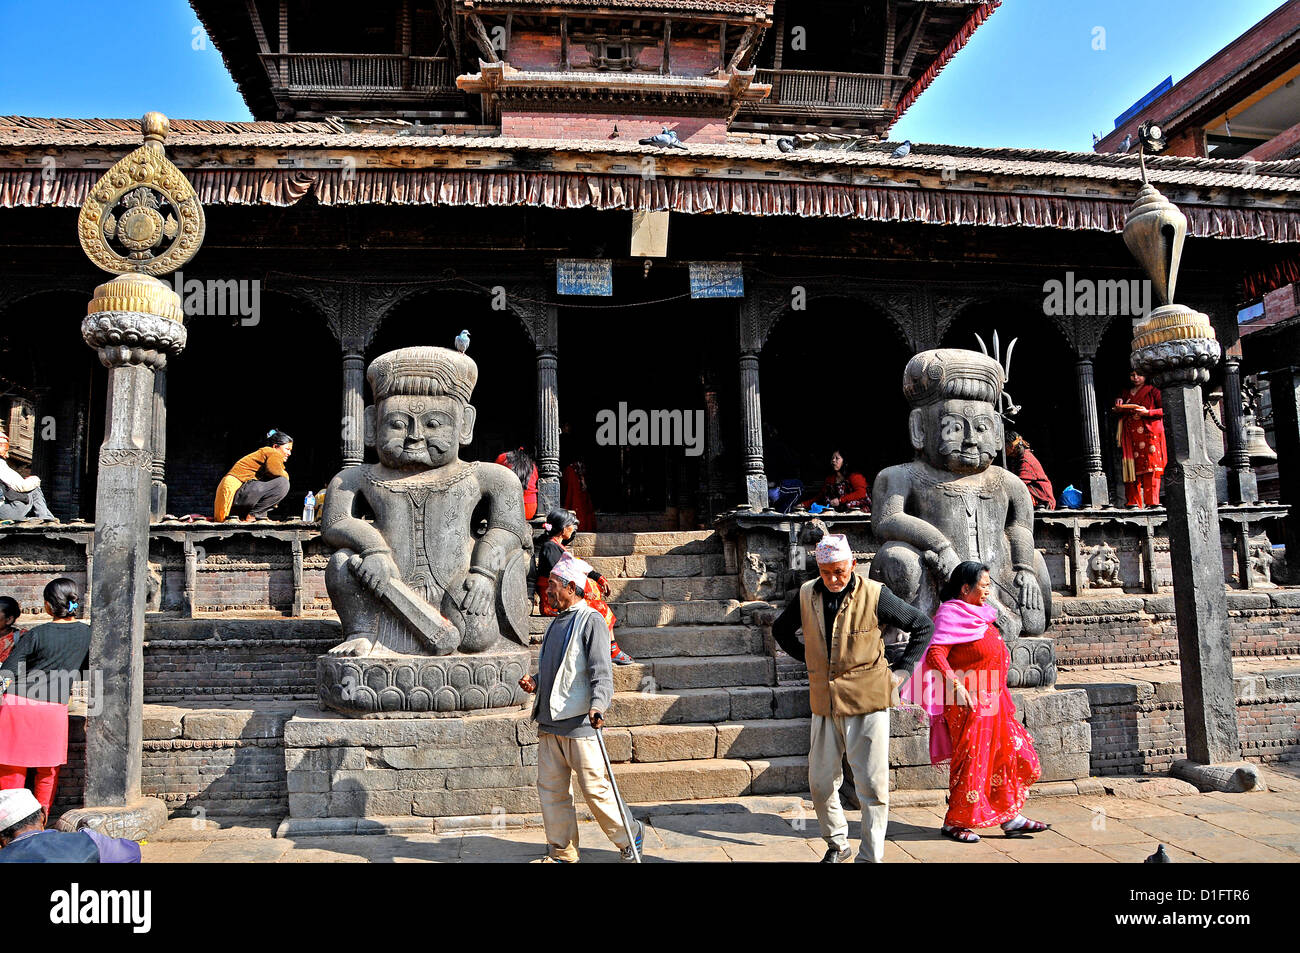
[[951, 504], [1103, 567], [424, 578]]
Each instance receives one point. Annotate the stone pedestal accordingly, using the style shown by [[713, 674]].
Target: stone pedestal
[[375, 686]]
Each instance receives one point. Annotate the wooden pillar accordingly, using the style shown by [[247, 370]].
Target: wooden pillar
[[404, 33], [1284, 390], [548, 431], [751, 420], [158, 437], [354, 403], [564, 43], [1098, 490], [666, 66], [1242, 484]]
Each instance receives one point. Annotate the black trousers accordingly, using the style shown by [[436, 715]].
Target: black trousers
[[256, 498]]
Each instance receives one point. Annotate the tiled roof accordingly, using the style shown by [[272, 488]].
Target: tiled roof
[[1112, 168], [736, 7]]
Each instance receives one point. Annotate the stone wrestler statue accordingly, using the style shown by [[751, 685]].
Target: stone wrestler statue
[[419, 580], [951, 504]]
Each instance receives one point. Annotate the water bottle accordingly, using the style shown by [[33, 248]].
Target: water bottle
[[309, 508]]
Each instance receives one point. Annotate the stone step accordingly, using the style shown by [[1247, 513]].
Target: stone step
[[767, 738], [719, 671], [707, 705], [670, 566], [687, 641], [642, 544], [696, 612], [683, 780], [672, 589]]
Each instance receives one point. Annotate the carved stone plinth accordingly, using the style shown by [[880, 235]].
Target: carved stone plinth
[[134, 821], [1033, 663], [375, 686]]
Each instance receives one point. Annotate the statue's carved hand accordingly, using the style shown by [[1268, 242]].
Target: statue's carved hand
[[942, 563], [375, 571], [1031, 594], [478, 595]]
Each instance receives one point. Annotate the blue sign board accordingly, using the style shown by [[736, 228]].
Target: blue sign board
[[584, 276], [717, 279], [1165, 85]]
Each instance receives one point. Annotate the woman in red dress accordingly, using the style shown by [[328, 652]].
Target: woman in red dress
[[523, 467], [1141, 437], [844, 489], [9, 631], [993, 757], [560, 526]]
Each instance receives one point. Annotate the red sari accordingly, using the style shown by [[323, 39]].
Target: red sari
[[1142, 445], [993, 757]]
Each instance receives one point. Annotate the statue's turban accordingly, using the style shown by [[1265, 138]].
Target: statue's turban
[[423, 372], [951, 374]]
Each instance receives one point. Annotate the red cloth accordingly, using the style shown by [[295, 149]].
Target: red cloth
[[530, 489], [33, 733], [993, 758], [573, 489], [14, 776], [1142, 445], [850, 489], [7, 643], [1035, 478]]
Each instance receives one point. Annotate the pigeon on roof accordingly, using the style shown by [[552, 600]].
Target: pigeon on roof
[[666, 138], [904, 150]]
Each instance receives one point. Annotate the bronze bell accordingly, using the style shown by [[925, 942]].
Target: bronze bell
[[1256, 444]]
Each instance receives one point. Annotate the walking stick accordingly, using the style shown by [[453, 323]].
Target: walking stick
[[624, 811]]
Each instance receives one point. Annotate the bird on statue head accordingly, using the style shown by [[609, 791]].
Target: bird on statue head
[[462, 341], [904, 150]]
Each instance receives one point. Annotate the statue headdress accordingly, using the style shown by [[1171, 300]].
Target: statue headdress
[[423, 372], [952, 374]]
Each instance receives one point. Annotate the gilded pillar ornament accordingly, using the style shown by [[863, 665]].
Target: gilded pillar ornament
[[141, 219]]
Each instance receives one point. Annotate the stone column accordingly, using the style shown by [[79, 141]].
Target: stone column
[[1098, 489], [751, 421], [1284, 391], [548, 431], [1242, 485], [158, 437], [354, 403]]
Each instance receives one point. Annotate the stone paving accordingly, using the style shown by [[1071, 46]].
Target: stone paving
[[1088, 828]]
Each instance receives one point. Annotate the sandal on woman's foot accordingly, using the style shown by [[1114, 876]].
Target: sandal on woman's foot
[[963, 834], [1026, 826]]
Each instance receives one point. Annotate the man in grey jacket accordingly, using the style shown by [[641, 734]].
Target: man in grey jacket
[[574, 686]]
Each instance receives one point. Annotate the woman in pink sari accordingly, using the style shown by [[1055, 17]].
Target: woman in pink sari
[[963, 686]]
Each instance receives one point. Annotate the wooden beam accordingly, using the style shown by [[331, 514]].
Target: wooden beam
[[914, 45], [258, 30], [722, 45], [779, 53], [482, 39], [743, 49], [891, 36], [666, 66], [564, 42], [404, 39], [284, 42]]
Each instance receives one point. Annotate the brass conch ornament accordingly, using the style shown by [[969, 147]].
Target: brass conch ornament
[[142, 216]]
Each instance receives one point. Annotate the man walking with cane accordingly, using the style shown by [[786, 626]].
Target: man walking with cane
[[851, 688], [574, 686]]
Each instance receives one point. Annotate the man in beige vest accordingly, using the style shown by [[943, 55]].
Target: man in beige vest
[[851, 688]]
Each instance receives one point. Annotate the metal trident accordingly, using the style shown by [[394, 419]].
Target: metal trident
[[1008, 408]]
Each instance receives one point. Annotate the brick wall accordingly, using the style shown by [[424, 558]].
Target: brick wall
[[1139, 728], [1126, 629], [540, 124]]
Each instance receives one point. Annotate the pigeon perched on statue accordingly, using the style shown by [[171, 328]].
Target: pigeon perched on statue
[[666, 138], [1159, 857], [904, 150], [462, 341]]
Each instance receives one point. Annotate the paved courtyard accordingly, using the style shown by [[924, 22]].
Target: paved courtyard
[[1120, 827]]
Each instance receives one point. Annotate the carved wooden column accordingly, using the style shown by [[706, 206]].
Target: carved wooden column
[[354, 403], [158, 488], [751, 403], [1098, 489], [546, 336], [1242, 484]]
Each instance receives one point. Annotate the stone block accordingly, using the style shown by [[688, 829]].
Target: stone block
[[491, 777], [683, 780], [704, 587], [518, 800], [715, 672], [1055, 707], [909, 750], [631, 708], [1284, 683], [160, 723], [423, 779], [1076, 738], [1065, 766], [1112, 693], [476, 757], [792, 701], [1168, 691], [360, 803], [673, 743], [311, 728], [751, 702], [908, 720], [306, 759], [307, 782], [1285, 598], [308, 805], [347, 759], [1248, 600], [1086, 606], [676, 641], [919, 777], [529, 754], [526, 731], [674, 566], [370, 779], [779, 775], [767, 738], [1047, 739], [1159, 605], [633, 678]]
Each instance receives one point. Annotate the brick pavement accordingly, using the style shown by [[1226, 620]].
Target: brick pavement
[[1123, 827]]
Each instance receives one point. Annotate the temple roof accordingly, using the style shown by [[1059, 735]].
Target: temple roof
[[754, 8]]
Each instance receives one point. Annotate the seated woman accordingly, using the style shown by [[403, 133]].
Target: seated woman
[[9, 631], [40, 671], [559, 528], [524, 468], [1022, 462], [844, 489], [963, 686], [256, 483], [23, 499]]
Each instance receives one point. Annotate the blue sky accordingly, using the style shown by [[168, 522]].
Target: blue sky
[[1030, 76]]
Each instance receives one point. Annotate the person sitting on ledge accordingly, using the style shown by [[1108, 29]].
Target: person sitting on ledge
[[559, 528], [256, 483], [23, 499], [9, 631], [522, 465], [1022, 462], [844, 489], [24, 839]]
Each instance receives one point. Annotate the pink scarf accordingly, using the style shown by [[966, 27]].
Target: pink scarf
[[955, 622]]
